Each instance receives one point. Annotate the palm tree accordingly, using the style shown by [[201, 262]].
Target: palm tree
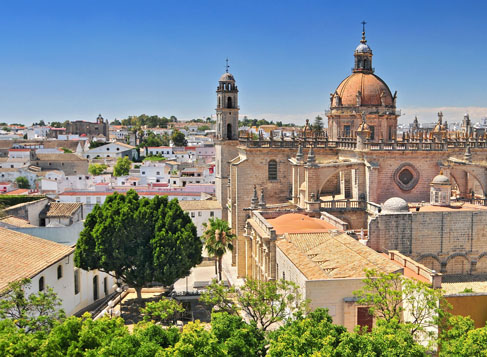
[[218, 239]]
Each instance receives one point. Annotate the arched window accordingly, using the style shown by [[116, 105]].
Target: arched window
[[41, 283], [59, 271], [229, 102], [229, 131], [219, 102], [272, 170]]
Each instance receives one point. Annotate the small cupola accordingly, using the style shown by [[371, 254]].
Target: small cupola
[[440, 191], [363, 55]]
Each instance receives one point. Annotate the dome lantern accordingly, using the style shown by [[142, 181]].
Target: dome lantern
[[363, 55]]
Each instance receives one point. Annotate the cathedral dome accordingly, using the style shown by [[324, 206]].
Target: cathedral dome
[[395, 205], [226, 77], [374, 91]]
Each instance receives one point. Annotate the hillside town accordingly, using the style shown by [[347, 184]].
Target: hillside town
[[226, 235]]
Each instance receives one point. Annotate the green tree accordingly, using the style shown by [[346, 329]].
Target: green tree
[[22, 182], [116, 122], [220, 298], [35, 312], [139, 240], [195, 340], [389, 294], [462, 339], [163, 310], [97, 169], [56, 124], [95, 144], [270, 302], [237, 337], [218, 239], [178, 138], [388, 338], [318, 124], [122, 167], [305, 336]]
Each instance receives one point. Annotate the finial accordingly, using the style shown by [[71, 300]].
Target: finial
[[262, 199], [299, 155], [363, 118], [227, 66], [363, 32], [311, 161], [255, 199]]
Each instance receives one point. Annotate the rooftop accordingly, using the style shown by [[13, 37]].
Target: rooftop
[[24, 256], [465, 207], [332, 255], [61, 209], [16, 222], [200, 205], [299, 223]]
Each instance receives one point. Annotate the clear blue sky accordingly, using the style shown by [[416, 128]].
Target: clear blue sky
[[74, 59]]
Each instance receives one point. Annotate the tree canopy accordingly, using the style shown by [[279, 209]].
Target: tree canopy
[[178, 138], [97, 169], [22, 182], [139, 240], [122, 167]]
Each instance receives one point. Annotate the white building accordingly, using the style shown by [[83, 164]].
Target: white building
[[112, 150], [37, 132], [50, 264], [201, 211]]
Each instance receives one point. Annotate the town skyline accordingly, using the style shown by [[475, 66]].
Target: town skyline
[[162, 59]]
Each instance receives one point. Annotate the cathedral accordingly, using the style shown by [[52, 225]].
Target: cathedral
[[421, 194]]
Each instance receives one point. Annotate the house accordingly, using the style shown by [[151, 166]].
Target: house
[[59, 214], [70, 164], [201, 211], [6, 186], [50, 264], [112, 150]]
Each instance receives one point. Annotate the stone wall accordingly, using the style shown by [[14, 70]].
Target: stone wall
[[454, 242]]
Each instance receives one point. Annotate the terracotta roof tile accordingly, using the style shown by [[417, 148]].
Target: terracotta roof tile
[[336, 255], [16, 222], [62, 209], [24, 256]]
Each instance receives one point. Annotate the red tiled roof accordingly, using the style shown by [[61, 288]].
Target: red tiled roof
[[140, 193], [25, 256]]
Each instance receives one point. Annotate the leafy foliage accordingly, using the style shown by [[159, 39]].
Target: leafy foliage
[[95, 144], [22, 182], [388, 295], [97, 169], [35, 312], [7, 200], [163, 310], [139, 240], [269, 302], [122, 167], [306, 335], [178, 138], [218, 238], [152, 139], [220, 298], [151, 121]]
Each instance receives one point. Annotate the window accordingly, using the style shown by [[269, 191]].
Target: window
[[78, 199], [59, 271], [98, 200], [372, 132], [143, 172], [88, 200], [41, 283], [118, 149], [283, 275], [108, 149], [346, 131], [95, 287], [192, 215], [105, 286], [199, 214], [212, 214], [158, 173], [272, 170]]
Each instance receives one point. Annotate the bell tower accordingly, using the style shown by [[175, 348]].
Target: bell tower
[[226, 137], [227, 107]]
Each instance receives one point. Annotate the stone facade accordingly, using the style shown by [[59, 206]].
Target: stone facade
[[90, 129]]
